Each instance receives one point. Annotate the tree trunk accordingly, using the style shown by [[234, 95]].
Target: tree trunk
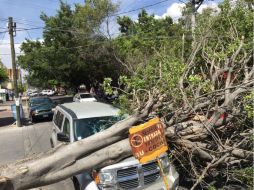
[[67, 160], [50, 169]]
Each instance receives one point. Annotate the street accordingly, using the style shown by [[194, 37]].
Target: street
[[18, 143]]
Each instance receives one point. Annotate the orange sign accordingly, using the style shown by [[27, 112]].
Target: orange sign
[[148, 140]]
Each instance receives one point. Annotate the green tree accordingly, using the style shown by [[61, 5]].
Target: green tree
[[147, 37], [210, 87], [21, 87], [3, 75], [72, 51]]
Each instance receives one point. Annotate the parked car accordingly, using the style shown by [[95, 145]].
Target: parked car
[[75, 121], [40, 108], [33, 93], [84, 97], [47, 92], [61, 93]]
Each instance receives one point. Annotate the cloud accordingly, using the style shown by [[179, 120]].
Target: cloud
[[5, 54], [5, 50], [175, 10], [208, 5]]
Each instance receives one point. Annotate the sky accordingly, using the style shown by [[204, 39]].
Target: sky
[[26, 14]]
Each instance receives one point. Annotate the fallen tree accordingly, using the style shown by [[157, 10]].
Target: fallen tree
[[205, 104], [201, 128], [56, 165]]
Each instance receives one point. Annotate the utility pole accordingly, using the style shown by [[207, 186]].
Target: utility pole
[[12, 27]]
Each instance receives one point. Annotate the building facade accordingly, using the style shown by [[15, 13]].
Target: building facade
[[9, 84]]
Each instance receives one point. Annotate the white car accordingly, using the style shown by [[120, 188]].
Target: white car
[[76, 121], [48, 92], [84, 97], [34, 93]]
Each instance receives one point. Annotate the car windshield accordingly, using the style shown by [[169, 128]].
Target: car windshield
[[40, 101], [86, 127], [86, 96]]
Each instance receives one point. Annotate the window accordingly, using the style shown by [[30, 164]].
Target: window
[[86, 127], [58, 119], [86, 96], [66, 127], [40, 101]]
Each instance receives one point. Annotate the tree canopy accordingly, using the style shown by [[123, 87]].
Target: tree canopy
[[3, 75], [71, 44]]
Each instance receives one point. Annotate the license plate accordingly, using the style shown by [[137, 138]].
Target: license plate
[[45, 115]]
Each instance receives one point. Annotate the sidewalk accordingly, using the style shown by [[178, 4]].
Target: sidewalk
[[6, 117], [20, 142]]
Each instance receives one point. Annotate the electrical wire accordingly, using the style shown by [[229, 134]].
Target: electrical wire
[[31, 4], [3, 19], [3, 32], [63, 30], [140, 8], [106, 41], [3, 37], [113, 15], [119, 37]]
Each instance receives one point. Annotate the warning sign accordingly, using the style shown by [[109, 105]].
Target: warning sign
[[148, 140]]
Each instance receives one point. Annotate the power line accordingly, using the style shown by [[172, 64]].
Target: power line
[[27, 24], [72, 31], [24, 29], [3, 37], [3, 32], [31, 4], [106, 41], [55, 29], [140, 8], [29, 36], [140, 37], [3, 19], [113, 15]]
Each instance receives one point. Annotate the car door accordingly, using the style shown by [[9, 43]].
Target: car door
[[57, 126]]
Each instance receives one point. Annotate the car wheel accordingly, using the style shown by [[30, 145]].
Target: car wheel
[[33, 119]]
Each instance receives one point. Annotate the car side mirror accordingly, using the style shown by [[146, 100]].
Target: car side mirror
[[63, 137]]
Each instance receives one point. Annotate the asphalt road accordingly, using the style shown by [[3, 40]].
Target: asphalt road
[[17, 143]]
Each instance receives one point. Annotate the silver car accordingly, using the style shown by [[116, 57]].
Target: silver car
[[76, 121], [84, 97]]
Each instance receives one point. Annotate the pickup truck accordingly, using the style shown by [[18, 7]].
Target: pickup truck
[[75, 121]]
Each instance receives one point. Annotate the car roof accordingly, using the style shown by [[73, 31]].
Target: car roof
[[39, 97], [83, 110], [83, 93]]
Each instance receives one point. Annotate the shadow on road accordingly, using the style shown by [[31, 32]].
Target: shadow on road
[[6, 121]]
